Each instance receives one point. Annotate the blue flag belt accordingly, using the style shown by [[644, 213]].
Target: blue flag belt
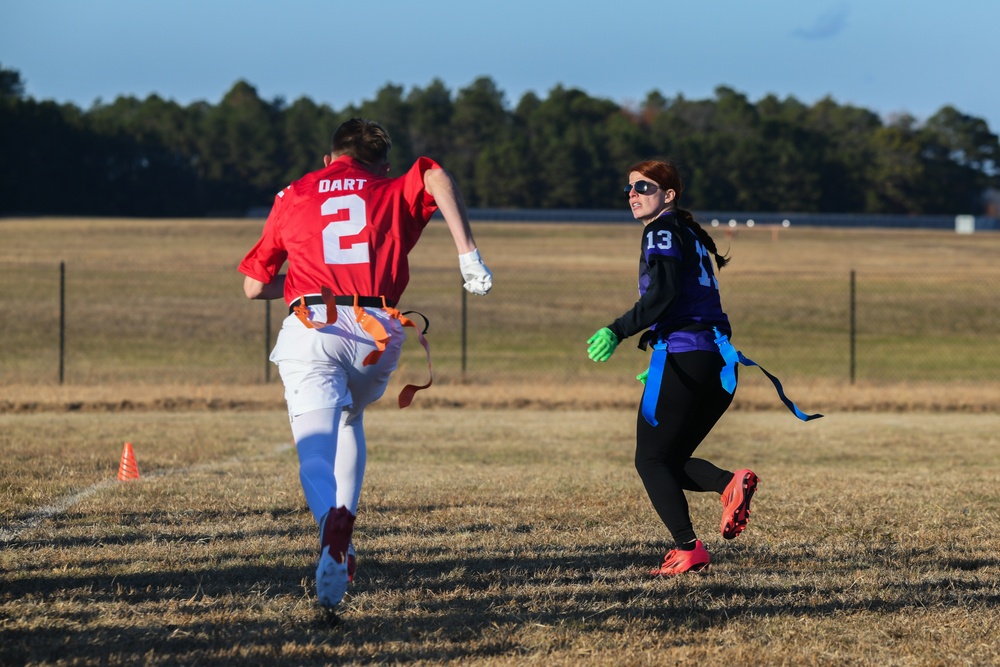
[[653, 380], [731, 356]]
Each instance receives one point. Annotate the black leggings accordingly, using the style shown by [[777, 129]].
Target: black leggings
[[691, 401]]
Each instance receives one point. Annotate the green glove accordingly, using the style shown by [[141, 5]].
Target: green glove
[[602, 345], [641, 377]]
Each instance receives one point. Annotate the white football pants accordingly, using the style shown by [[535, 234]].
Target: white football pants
[[327, 388]]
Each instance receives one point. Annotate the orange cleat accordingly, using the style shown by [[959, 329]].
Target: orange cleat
[[736, 503], [677, 561]]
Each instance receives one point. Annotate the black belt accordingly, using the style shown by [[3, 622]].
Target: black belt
[[363, 301]]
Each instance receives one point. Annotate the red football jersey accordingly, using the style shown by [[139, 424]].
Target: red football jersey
[[344, 228]]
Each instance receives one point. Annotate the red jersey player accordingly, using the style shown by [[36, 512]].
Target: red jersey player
[[346, 231]]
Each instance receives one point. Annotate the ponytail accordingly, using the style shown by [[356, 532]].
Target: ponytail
[[703, 236]]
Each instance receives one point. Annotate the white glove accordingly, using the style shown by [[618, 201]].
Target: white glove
[[478, 279]]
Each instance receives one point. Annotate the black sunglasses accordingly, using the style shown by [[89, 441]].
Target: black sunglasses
[[641, 187]]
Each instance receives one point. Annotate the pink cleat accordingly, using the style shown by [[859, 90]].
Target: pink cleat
[[736, 503], [677, 561]]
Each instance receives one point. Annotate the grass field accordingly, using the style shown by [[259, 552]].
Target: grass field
[[498, 537], [154, 301], [502, 522]]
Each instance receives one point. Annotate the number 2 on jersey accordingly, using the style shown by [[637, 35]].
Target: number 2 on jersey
[[337, 246]]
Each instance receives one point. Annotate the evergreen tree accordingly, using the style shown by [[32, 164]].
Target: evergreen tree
[[567, 150]]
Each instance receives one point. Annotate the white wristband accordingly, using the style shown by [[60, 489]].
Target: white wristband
[[470, 258]]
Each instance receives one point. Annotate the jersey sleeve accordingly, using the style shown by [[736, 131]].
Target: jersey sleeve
[[422, 205], [266, 258], [660, 281], [653, 303]]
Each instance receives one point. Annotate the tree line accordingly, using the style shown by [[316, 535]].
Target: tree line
[[154, 157]]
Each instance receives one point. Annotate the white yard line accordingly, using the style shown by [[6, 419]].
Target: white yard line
[[10, 533]]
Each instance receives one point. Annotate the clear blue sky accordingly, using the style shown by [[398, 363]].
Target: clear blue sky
[[888, 56]]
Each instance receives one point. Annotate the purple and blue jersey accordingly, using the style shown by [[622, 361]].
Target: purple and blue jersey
[[678, 292], [679, 305]]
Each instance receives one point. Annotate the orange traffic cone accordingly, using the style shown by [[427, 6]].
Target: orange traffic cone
[[128, 469]]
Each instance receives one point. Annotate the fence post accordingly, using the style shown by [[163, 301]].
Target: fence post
[[465, 308], [854, 330], [267, 341], [62, 320]]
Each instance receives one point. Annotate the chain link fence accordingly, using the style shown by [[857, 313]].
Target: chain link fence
[[90, 324]]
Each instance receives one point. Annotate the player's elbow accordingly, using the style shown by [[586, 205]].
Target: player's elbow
[[252, 288]]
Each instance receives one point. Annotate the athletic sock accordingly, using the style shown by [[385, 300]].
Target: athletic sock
[[687, 546]]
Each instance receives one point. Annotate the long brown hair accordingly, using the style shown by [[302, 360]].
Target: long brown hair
[[666, 175]]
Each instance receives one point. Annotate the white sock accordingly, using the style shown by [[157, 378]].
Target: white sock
[[351, 459], [315, 436]]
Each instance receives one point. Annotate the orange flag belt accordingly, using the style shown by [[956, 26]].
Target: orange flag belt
[[373, 326]]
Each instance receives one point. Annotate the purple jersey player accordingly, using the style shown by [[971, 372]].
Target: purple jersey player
[[681, 314]]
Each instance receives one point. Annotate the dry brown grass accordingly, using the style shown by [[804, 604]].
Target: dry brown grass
[[498, 537], [755, 394], [159, 301], [502, 522]]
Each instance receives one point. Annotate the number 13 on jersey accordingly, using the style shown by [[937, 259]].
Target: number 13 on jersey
[[662, 239]]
